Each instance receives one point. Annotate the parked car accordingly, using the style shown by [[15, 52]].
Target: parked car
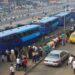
[[56, 57], [72, 38]]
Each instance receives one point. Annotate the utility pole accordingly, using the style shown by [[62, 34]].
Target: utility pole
[[65, 9]]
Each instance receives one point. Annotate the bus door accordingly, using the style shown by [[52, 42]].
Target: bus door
[[3, 44], [67, 18], [61, 21], [15, 40], [54, 24], [47, 28]]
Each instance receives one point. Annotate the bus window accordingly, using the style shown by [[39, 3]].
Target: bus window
[[16, 36], [22, 34], [29, 32]]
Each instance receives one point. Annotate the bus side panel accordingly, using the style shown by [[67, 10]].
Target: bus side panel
[[3, 47], [72, 15], [26, 40], [48, 27], [14, 43], [61, 21], [43, 30], [29, 37], [30, 42], [55, 25], [67, 18]]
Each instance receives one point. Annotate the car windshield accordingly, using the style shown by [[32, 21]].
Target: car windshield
[[73, 35], [53, 55]]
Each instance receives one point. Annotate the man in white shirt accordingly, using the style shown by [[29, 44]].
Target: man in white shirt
[[73, 65], [3, 57], [35, 48], [70, 59], [12, 70], [12, 51], [12, 55], [18, 63], [18, 60]]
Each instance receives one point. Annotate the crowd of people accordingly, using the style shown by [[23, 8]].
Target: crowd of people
[[34, 52], [9, 55], [58, 40], [21, 62]]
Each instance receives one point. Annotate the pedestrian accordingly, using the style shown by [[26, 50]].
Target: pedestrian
[[63, 39], [18, 63], [73, 65], [34, 56], [40, 51], [3, 58], [54, 43], [67, 34], [35, 47], [37, 55], [46, 49], [12, 70], [59, 40], [12, 55], [30, 50], [70, 59], [63, 42], [8, 56], [24, 63], [66, 38], [16, 53]]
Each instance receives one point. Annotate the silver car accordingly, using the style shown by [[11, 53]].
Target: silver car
[[56, 57]]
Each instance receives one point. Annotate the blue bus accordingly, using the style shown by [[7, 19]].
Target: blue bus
[[72, 16], [20, 36], [47, 24], [61, 17]]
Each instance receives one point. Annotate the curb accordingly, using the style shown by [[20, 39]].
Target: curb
[[31, 68]]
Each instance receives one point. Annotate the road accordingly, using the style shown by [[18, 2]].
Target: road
[[41, 69]]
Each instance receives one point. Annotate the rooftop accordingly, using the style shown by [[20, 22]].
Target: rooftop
[[17, 30]]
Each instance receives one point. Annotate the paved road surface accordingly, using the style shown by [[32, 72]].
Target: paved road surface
[[41, 69]]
